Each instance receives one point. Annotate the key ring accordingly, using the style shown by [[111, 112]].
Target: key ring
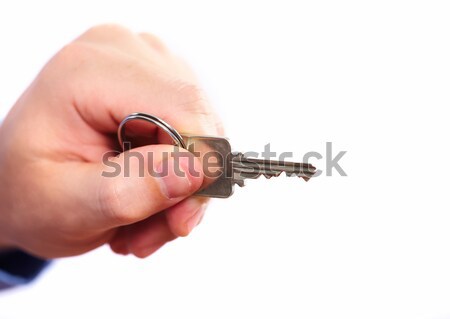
[[176, 137]]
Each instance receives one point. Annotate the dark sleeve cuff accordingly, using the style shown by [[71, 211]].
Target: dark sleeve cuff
[[17, 267]]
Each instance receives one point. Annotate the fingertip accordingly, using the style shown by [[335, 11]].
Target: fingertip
[[147, 251], [146, 237], [118, 244], [186, 215], [195, 220], [119, 250]]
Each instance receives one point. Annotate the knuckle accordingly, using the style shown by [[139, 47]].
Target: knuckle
[[102, 30], [67, 64], [153, 41], [74, 54], [192, 98], [194, 103], [219, 126]]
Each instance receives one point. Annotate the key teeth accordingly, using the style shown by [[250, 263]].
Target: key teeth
[[276, 174], [239, 182], [272, 174], [307, 178], [306, 175], [253, 168], [300, 175]]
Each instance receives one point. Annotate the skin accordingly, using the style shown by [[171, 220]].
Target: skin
[[54, 200]]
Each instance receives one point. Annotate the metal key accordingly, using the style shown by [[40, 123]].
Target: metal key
[[234, 168], [231, 168]]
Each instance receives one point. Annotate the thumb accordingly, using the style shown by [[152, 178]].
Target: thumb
[[137, 184]]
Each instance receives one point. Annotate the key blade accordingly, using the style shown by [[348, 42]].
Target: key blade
[[244, 167]]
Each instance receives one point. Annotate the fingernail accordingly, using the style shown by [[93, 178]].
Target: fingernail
[[196, 218], [178, 178]]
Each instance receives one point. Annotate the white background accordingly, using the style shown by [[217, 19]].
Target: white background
[[372, 77]]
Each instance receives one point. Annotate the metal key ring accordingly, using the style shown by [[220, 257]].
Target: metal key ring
[[176, 137]]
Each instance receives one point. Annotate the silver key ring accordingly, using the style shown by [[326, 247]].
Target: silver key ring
[[176, 137]]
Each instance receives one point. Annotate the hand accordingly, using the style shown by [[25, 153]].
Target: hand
[[54, 200]]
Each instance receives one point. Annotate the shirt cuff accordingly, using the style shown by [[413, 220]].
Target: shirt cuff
[[18, 267]]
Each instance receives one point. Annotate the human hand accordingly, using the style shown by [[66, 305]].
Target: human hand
[[54, 200]]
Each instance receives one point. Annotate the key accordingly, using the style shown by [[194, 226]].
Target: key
[[234, 168], [229, 168]]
